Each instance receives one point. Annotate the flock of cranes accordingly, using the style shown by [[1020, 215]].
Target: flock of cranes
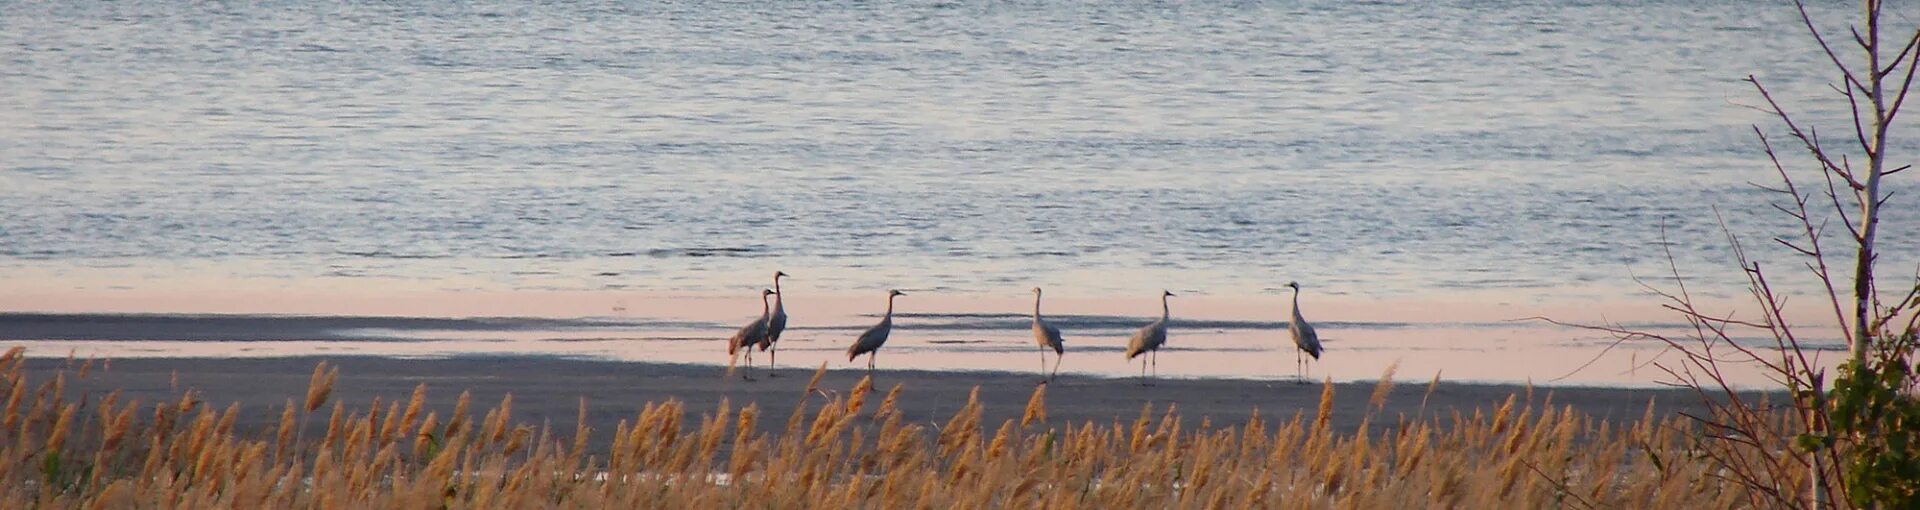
[[1145, 344]]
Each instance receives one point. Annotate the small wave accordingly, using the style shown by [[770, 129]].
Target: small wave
[[233, 327], [383, 254], [702, 252], [990, 321], [631, 339]]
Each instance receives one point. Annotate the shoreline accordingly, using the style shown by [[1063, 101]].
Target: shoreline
[[957, 338], [248, 297]]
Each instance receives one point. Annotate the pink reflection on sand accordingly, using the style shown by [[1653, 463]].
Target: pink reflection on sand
[[1472, 338]]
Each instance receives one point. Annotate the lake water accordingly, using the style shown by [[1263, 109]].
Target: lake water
[[1534, 151]]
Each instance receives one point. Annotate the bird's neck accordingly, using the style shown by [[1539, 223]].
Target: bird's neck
[[1164, 310], [889, 307], [1036, 305], [1296, 304], [763, 304]]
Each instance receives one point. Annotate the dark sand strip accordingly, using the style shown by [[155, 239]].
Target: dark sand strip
[[548, 390], [245, 328]]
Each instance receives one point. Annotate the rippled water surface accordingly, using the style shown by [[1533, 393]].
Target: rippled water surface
[[1369, 149]]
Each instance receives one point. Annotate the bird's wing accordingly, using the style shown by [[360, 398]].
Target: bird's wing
[[1309, 340], [1045, 332], [747, 335], [871, 338], [1054, 340], [774, 325], [1138, 343], [777, 325]]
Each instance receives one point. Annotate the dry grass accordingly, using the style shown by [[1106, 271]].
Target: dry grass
[[106, 453]]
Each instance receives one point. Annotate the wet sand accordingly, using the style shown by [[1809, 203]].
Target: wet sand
[[549, 390], [948, 334]]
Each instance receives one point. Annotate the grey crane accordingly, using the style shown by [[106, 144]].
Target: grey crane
[[776, 323], [749, 335], [1150, 338], [1304, 339], [870, 341], [1048, 337]]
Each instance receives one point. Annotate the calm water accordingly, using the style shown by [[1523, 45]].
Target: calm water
[[1225, 147], [1365, 149]]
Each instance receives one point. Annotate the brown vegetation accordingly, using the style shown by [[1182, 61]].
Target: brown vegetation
[[839, 452]]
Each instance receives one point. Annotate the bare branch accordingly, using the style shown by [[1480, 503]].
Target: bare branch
[[1902, 55], [1713, 319], [1813, 234], [1794, 247], [1906, 84], [1622, 335], [1808, 20], [1898, 308], [1858, 39], [1859, 128], [1833, 197], [1809, 139]]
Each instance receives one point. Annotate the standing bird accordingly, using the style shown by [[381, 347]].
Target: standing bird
[[1048, 337], [749, 335], [1150, 338], [776, 323], [1303, 336], [870, 341]]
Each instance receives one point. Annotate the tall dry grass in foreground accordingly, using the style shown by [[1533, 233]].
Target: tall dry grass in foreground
[[846, 452]]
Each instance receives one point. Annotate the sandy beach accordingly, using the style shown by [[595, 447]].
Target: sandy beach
[[549, 391], [1483, 339], [1219, 367]]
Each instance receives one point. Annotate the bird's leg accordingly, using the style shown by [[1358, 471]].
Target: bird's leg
[[1056, 365], [1146, 360], [1043, 365], [1306, 367], [773, 356]]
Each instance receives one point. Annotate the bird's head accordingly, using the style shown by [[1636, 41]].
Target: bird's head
[[1166, 293], [778, 274], [895, 292], [1294, 285], [1036, 290], [767, 292]]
